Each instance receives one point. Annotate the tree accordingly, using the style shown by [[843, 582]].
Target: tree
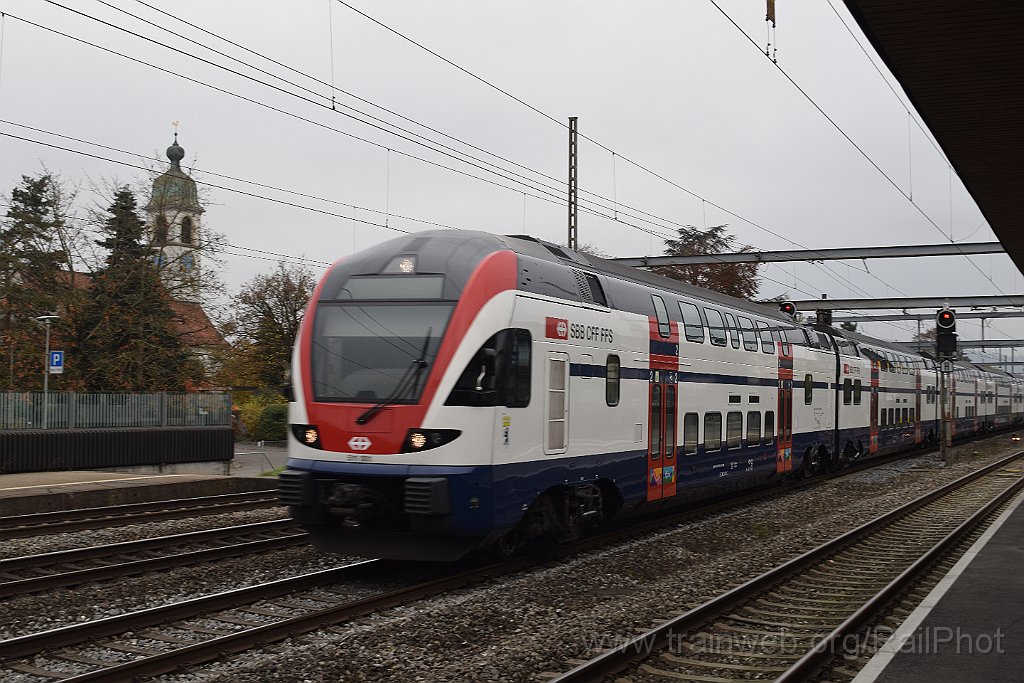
[[127, 339], [268, 312], [734, 279], [37, 248]]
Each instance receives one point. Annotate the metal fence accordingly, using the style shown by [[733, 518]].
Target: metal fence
[[104, 410]]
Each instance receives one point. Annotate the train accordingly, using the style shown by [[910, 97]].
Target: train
[[460, 391]]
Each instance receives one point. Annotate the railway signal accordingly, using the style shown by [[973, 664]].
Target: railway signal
[[788, 307], [945, 338]]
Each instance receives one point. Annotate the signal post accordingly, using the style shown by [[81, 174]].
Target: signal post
[[945, 352]]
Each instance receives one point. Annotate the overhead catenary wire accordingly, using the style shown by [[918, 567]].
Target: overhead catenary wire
[[615, 203], [618, 154], [554, 200], [402, 132], [860, 149]]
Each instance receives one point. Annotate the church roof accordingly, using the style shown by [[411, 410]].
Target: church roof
[[174, 189], [191, 322]]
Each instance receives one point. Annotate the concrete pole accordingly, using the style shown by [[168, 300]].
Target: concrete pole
[[46, 377]]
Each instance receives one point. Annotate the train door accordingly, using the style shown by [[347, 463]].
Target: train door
[[556, 433], [784, 447], [917, 409], [873, 429], [663, 402]]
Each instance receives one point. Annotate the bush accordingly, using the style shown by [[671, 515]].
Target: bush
[[249, 410], [272, 424]]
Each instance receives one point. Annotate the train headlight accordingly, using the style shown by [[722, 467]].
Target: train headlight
[[307, 435], [425, 439], [401, 265]]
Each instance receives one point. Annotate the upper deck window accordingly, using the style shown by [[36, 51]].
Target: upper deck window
[[693, 327], [370, 287], [664, 328]]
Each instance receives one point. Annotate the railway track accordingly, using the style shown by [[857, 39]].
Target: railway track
[[37, 573], [159, 640], [21, 526], [789, 622]]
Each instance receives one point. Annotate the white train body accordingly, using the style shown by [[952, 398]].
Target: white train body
[[454, 390]]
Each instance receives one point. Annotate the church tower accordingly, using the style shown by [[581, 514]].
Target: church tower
[[174, 221]]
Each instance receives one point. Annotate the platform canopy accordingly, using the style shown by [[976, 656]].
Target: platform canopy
[[962, 67]]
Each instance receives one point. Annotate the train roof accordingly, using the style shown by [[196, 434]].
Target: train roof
[[547, 251]]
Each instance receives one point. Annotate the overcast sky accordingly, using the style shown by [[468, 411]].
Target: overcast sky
[[674, 87]]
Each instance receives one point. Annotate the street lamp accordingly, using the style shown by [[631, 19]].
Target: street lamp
[[46, 320]]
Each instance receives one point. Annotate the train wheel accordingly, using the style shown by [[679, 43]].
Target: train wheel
[[508, 544], [809, 467]]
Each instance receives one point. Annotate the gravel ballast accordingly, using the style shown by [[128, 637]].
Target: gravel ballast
[[513, 629]]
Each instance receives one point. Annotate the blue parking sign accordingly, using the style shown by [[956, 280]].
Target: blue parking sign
[[56, 362]]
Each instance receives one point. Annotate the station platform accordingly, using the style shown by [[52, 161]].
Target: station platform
[[253, 468], [971, 626]]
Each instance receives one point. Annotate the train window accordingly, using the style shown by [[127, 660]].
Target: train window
[[596, 290], [498, 374], [747, 329], [753, 428], [796, 336], [693, 327], [712, 432], [858, 388], [664, 329], [783, 344], [612, 381], [769, 427], [691, 424], [734, 430], [884, 422], [670, 421], [515, 383], [904, 415], [847, 391], [656, 441], [892, 416], [767, 343], [734, 330], [823, 343], [913, 415], [716, 327], [808, 389]]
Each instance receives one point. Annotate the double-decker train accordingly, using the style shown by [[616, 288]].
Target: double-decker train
[[455, 390]]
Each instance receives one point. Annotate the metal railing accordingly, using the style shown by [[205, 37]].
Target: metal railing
[[99, 410]]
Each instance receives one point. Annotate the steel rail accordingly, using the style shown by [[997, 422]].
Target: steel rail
[[811, 662], [75, 634], [619, 658], [125, 547], [208, 650], [172, 561], [94, 518]]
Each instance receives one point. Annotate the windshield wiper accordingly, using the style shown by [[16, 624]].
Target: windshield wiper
[[410, 379]]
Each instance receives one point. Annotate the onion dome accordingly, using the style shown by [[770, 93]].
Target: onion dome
[[174, 190]]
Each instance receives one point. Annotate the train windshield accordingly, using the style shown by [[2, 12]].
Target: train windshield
[[374, 352]]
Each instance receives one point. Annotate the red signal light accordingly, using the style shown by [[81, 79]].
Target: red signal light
[[787, 307], [946, 320]]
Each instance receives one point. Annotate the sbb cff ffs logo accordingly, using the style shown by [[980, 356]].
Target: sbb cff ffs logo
[[556, 328], [560, 328], [945, 339]]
